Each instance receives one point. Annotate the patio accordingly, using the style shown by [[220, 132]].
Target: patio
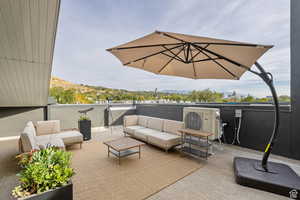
[[27, 51], [212, 179]]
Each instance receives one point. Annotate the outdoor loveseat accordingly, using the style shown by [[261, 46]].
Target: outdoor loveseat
[[47, 133], [159, 132]]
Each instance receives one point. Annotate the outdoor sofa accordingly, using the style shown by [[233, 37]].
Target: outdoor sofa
[[162, 133], [47, 133]]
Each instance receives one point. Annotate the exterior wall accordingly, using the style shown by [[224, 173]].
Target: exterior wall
[[257, 121], [115, 117], [13, 120], [256, 127], [68, 114], [295, 74]]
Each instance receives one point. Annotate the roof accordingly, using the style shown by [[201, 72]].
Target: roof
[[27, 37]]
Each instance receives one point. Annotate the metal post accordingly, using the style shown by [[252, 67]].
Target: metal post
[[268, 79], [45, 110], [207, 147]]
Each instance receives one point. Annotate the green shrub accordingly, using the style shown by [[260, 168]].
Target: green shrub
[[84, 117], [43, 170]]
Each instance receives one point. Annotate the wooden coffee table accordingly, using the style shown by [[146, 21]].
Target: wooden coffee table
[[123, 147]]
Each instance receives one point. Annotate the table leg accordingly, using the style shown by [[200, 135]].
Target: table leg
[[139, 152], [199, 140], [207, 147], [107, 151], [181, 140], [119, 158], [190, 145]]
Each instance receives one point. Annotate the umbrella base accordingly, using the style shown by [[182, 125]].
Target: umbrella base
[[280, 178]]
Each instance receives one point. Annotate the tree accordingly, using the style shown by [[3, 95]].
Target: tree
[[56, 93], [63, 96], [284, 98], [248, 98], [82, 99], [205, 96], [263, 100]]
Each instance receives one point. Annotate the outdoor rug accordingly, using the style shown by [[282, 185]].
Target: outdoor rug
[[99, 177]]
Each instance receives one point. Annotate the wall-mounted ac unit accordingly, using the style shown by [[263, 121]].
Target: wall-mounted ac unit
[[204, 119]]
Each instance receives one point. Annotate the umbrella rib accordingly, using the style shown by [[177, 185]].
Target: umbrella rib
[[170, 36], [214, 43], [225, 69], [222, 57], [195, 55], [141, 46], [170, 60], [187, 52], [192, 59], [176, 55], [184, 54], [220, 65], [207, 59], [151, 55], [171, 57], [144, 62], [232, 44]]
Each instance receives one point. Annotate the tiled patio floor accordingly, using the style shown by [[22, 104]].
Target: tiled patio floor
[[214, 181]]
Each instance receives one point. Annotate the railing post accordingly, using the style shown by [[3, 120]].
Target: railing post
[[45, 111]]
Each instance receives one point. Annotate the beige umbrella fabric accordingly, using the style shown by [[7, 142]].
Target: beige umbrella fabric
[[198, 58], [189, 56]]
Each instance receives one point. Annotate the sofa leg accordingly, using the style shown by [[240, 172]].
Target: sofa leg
[[20, 146]]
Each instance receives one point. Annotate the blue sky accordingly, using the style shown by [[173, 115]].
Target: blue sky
[[87, 28]]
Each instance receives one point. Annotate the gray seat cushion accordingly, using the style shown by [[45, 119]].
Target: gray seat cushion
[[130, 120], [47, 127], [171, 126], [164, 140], [131, 129], [28, 139], [68, 137], [155, 123], [143, 133], [71, 137], [143, 121]]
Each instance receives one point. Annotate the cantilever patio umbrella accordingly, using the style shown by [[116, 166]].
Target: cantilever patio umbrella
[[196, 57]]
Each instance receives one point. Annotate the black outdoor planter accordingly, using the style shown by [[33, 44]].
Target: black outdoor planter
[[65, 192], [85, 129]]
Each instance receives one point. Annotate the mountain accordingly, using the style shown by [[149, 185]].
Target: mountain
[[58, 82], [176, 91]]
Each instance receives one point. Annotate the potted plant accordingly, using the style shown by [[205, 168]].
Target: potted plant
[[84, 125], [45, 174]]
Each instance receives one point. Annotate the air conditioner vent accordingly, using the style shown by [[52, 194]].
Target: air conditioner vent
[[193, 121], [204, 119]]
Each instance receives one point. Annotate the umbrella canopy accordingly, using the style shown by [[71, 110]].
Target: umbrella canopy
[[189, 56]]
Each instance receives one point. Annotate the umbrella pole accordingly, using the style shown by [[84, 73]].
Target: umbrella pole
[[268, 79]]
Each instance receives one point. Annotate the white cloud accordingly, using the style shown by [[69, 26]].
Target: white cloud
[[87, 29]]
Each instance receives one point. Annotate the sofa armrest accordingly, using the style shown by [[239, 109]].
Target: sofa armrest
[[130, 120], [48, 127], [172, 126]]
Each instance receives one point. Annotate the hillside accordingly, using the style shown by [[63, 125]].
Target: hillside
[[57, 82], [67, 92]]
